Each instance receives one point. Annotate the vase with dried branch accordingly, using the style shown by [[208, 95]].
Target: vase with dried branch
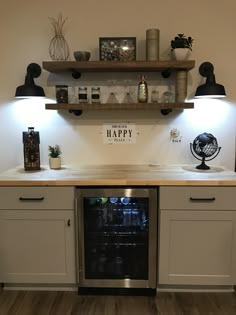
[[58, 49]]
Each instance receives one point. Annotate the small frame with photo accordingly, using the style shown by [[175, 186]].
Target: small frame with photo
[[117, 48]]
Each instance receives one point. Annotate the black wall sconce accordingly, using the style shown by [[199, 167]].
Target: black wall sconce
[[210, 89], [29, 89]]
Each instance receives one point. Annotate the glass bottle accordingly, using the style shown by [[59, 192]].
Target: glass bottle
[[142, 91]]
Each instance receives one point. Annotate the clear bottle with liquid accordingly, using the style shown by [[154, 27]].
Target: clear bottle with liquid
[[142, 90]]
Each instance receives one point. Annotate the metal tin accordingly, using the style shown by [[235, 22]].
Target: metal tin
[[152, 44], [83, 95], [95, 95]]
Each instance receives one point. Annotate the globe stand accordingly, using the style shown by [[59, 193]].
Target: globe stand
[[203, 165]]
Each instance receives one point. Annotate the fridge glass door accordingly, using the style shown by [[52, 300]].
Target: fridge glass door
[[116, 236]]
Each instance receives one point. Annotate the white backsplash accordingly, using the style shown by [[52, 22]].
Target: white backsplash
[[82, 142]]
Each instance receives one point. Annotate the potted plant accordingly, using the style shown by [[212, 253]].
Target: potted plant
[[54, 156], [181, 46]]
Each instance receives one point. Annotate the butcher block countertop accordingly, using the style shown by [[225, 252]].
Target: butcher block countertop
[[123, 175]]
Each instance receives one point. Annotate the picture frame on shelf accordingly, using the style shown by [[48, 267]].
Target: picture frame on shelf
[[117, 48]]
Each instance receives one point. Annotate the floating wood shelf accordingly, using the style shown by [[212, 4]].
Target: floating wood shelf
[[106, 106], [118, 66], [165, 67]]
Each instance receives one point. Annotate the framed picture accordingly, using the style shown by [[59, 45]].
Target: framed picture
[[117, 48]]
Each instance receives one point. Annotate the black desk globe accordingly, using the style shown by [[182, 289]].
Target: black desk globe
[[204, 146]]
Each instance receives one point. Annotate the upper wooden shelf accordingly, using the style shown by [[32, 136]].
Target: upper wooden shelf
[[118, 66]]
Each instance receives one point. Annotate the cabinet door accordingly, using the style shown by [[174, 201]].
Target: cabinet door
[[197, 247], [37, 246]]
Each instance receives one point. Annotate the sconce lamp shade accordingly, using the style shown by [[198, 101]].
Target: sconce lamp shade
[[30, 89], [210, 89]]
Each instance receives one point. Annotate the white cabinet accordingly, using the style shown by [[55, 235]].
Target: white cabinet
[[37, 235], [197, 244]]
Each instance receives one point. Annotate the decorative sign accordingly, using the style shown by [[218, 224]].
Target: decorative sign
[[119, 133]]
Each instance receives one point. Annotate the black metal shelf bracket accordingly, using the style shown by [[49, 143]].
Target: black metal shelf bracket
[[76, 112], [166, 73], [75, 74], [166, 111]]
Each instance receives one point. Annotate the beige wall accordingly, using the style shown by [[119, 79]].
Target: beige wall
[[25, 36]]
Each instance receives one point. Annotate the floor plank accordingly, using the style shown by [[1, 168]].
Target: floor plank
[[70, 303]]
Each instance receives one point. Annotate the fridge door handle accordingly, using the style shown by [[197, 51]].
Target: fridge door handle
[[76, 239]]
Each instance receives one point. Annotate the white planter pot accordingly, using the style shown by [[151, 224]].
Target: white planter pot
[[181, 53], [55, 163]]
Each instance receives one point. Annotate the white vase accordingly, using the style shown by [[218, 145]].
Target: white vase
[[181, 53], [55, 163]]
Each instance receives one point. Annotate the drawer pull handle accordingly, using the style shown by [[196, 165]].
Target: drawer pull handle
[[202, 199], [31, 199]]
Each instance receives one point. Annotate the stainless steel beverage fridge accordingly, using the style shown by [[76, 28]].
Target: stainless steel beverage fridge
[[116, 232]]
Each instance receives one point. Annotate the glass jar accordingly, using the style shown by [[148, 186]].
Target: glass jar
[[155, 96], [167, 97], [83, 95], [112, 99], [95, 95], [62, 93]]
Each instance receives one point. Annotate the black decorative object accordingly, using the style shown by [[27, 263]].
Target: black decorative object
[[31, 149], [117, 48], [210, 88], [204, 146], [30, 89]]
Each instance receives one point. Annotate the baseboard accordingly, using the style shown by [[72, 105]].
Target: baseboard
[[194, 288], [40, 287]]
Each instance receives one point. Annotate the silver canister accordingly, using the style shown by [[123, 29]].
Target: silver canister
[[152, 44]]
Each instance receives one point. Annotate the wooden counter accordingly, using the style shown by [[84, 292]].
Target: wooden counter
[[123, 175]]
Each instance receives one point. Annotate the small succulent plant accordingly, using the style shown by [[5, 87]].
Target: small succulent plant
[[54, 151], [182, 41]]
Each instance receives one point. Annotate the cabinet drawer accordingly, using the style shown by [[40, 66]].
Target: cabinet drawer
[[42, 198], [199, 198]]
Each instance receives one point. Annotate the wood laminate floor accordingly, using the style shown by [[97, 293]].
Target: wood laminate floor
[[64, 303]]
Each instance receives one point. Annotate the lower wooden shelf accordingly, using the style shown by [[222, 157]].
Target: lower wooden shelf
[[106, 106]]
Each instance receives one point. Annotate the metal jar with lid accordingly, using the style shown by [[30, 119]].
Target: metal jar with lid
[[83, 95], [95, 95]]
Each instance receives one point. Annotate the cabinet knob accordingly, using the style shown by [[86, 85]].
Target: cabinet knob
[[68, 222]]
